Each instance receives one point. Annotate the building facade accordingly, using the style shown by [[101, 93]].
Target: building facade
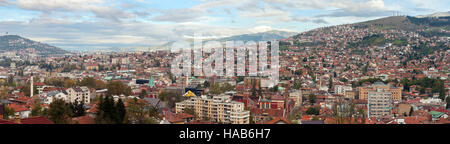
[[79, 93], [379, 103], [396, 92]]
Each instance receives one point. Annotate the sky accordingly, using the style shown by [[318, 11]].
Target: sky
[[98, 24]]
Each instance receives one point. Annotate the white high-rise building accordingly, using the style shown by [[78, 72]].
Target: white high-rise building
[[217, 108], [379, 103]]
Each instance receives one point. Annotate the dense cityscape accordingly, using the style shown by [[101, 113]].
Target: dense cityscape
[[367, 73]]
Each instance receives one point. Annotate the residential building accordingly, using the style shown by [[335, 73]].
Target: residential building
[[396, 92], [379, 103], [341, 89], [217, 108], [53, 95], [297, 97], [79, 94]]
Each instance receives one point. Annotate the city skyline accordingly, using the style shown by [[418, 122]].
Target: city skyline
[[96, 24]]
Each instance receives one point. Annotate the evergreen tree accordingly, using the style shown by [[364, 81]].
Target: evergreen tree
[[312, 99], [411, 111], [330, 83], [59, 111], [143, 94], [7, 112], [120, 112]]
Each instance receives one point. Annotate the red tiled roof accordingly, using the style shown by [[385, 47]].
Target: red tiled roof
[[200, 122], [39, 84], [17, 108], [278, 119], [36, 120], [6, 122], [31, 120], [84, 120]]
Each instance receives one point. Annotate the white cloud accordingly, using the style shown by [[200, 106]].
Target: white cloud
[[99, 8]]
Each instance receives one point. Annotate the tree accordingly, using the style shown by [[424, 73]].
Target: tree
[[59, 111], [118, 88], [190, 111], [143, 94], [153, 112], [7, 112], [37, 109], [297, 85], [136, 112], [120, 112], [92, 83], [448, 102], [330, 83], [68, 83], [312, 99], [216, 88], [313, 111], [411, 111], [206, 84], [110, 112], [170, 98], [77, 108], [11, 82], [26, 89], [274, 88]]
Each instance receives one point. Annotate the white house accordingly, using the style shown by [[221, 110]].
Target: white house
[[53, 95], [340, 89]]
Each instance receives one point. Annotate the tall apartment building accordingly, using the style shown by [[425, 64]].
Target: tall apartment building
[[79, 94], [379, 103], [217, 108], [396, 92]]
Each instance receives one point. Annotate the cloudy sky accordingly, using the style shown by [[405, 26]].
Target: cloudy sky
[[75, 24]]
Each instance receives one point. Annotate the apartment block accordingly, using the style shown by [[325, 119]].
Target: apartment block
[[219, 108], [79, 94], [396, 92], [379, 103]]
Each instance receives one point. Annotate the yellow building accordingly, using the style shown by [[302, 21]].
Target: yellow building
[[396, 92]]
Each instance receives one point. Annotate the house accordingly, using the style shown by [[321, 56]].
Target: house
[[313, 122], [279, 120], [20, 110], [435, 115]]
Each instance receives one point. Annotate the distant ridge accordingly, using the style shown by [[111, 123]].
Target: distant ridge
[[256, 37], [438, 14], [17, 43]]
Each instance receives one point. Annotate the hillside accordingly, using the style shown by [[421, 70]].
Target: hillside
[[408, 23], [262, 36], [17, 43], [411, 38]]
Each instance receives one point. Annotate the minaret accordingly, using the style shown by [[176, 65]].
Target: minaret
[[187, 81], [31, 87]]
